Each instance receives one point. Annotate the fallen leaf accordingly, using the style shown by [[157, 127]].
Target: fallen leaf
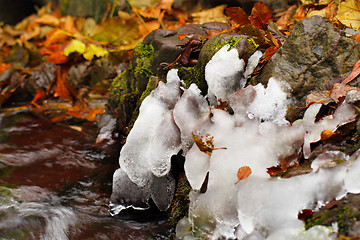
[[322, 97], [205, 144], [305, 213], [243, 173], [215, 14], [349, 13], [74, 46], [272, 171], [260, 15], [269, 52], [92, 50], [339, 91], [355, 72], [166, 4], [117, 32], [61, 90], [237, 15], [4, 67], [48, 19], [57, 57], [357, 37]]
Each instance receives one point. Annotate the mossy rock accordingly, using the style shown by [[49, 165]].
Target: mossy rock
[[314, 53], [245, 46], [345, 213]]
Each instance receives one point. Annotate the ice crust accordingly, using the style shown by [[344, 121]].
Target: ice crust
[[256, 135]]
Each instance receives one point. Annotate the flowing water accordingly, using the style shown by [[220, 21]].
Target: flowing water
[[54, 184]]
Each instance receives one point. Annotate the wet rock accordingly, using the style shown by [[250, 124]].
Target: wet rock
[[158, 50], [314, 53]]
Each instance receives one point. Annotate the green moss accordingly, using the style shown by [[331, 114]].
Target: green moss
[[191, 75], [232, 41], [180, 204], [345, 217], [144, 55]]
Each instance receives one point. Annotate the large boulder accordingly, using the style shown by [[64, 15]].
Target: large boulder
[[314, 53]]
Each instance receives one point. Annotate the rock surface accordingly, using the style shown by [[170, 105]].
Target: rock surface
[[314, 53]]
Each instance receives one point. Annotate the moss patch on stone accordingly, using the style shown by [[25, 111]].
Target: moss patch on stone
[[180, 204], [345, 213]]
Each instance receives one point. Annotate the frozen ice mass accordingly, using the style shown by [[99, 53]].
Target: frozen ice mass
[[254, 134]]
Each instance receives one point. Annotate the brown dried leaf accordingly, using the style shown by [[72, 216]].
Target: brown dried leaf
[[205, 144], [260, 14], [322, 97], [339, 91]]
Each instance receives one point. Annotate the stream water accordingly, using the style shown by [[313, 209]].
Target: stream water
[[54, 184]]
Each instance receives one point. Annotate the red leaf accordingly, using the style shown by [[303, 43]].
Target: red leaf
[[237, 15], [269, 52], [305, 213], [274, 170], [260, 14], [354, 73], [243, 173]]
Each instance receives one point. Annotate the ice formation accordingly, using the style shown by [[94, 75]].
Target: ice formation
[[255, 135]]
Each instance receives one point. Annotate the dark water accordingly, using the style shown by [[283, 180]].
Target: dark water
[[55, 184]]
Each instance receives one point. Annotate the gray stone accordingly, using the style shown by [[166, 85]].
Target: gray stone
[[314, 53]]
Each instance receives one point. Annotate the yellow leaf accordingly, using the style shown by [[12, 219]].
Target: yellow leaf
[[349, 13], [93, 50], [116, 31], [74, 46], [215, 14]]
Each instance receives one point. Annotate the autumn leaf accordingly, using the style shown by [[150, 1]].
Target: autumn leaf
[[353, 74], [57, 57], [305, 213], [48, 19], [272, 171], [61, 90], [92, 50], [237, 15], [215, 14], [260, 15], [269, 52], [357, 37], [243, 173], [349, 13], [339, 91], [116, 31], [322, 97], [4, 67], [74, 46], [205, 144]]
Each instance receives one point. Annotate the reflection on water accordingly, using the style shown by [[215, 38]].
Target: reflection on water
[[54, 184]]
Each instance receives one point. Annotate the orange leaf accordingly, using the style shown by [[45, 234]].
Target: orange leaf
[[4, 67], [269, 52], [357, 37], [354, 73], [243, 173], [57, 57], [40, 95], [61, 90], [237, 15], [260, 14]]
